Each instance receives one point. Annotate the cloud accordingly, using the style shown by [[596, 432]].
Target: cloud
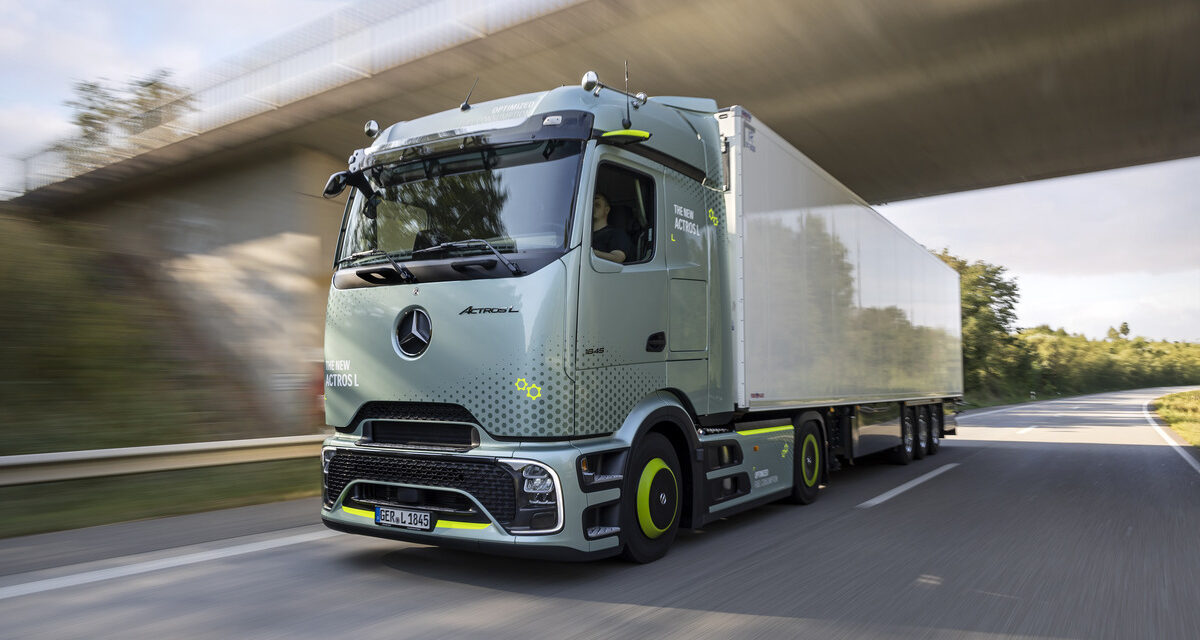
[[24, 128], [1138, 219], [1166, 306]]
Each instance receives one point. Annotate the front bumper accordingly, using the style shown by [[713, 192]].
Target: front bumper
[[464, 493]]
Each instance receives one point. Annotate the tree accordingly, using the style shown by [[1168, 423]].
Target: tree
[[995, 363], [104, 114]]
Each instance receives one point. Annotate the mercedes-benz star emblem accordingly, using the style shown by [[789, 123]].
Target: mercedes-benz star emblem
[[414, 332]]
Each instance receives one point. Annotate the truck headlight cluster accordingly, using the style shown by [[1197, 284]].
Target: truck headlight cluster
[[539, 487], [538, 508]]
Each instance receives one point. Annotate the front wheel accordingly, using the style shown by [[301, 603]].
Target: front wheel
[[650, 497]]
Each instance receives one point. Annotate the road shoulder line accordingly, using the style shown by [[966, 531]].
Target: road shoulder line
[[1165, 436]]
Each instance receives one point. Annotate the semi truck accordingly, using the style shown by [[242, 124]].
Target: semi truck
[[569, 324]]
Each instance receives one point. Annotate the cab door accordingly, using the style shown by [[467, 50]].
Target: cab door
[[622, 324]]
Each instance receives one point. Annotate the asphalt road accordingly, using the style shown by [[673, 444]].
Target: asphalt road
[[1064, 519]]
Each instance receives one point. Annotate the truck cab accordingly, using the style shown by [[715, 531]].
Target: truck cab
[[480, 354]]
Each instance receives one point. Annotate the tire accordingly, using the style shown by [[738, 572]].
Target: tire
[[651, 495], [903, 453], [935, 428], [808, 462], [921, 444]]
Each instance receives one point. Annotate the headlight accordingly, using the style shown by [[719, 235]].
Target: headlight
[[538, 481], [538, 506]]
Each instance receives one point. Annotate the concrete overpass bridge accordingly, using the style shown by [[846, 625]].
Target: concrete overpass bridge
[[896, 99]]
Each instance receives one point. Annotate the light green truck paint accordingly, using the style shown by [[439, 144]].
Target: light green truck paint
[[470, 384]]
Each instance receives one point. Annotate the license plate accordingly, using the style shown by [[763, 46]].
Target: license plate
[[406, 518]]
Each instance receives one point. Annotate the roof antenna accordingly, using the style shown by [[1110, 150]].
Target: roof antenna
[[626, 122], [465, 106]]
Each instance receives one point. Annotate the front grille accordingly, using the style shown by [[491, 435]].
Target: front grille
[[419, 411], [368, 495], [492, 486], [457, 437]]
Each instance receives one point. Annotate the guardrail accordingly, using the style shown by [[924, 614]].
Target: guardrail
[[95, 463]]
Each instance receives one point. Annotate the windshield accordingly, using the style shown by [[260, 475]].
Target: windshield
[[516, 197]]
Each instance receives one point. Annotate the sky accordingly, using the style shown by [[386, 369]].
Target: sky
[[1088, 252], [46, 46]]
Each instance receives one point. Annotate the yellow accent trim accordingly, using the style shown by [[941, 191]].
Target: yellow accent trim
[[754, 432], [441, 524], [452, 524], [362, 513], [633, 133]]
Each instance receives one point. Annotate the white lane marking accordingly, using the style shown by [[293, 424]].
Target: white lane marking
[[884, 497], [988, 413], [1027, 429], [1175, 445], [88, 577]]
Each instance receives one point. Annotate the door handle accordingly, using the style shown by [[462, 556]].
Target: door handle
[[656, 342]]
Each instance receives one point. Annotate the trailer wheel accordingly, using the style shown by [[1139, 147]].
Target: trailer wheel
[[935, 428], [903, 453], [921, 445], [809, 458], [650, 498]]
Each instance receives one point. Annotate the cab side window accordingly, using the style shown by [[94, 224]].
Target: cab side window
[[623, 215]]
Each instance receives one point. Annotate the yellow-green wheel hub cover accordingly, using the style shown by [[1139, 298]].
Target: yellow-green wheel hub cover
[[657, 498], [810, 461]]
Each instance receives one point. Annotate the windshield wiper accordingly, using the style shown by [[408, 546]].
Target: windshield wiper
[[405, 274], [473, 242]]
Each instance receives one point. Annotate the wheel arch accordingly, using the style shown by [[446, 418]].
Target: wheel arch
[[666, 414]]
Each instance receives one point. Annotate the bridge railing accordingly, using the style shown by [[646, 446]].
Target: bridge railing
[[350, 44]]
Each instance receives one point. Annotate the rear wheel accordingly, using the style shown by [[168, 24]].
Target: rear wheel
[[809, 456], [650, 497], [903, 453], [922, 444], [935, 428]]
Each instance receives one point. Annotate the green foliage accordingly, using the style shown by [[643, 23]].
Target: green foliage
[[995, 364], [91, 358], [1182, 412], [103, 112], [1001, 362]]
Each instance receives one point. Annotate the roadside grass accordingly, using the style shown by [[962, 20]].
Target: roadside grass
[[1182, 412], [70, 504]]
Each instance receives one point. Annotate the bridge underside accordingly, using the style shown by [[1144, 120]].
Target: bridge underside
[[897, 99]]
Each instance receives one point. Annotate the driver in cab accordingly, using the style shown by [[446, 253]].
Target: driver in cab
[[608, 242]]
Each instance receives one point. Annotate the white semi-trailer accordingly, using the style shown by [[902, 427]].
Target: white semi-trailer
[[570, 323]]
